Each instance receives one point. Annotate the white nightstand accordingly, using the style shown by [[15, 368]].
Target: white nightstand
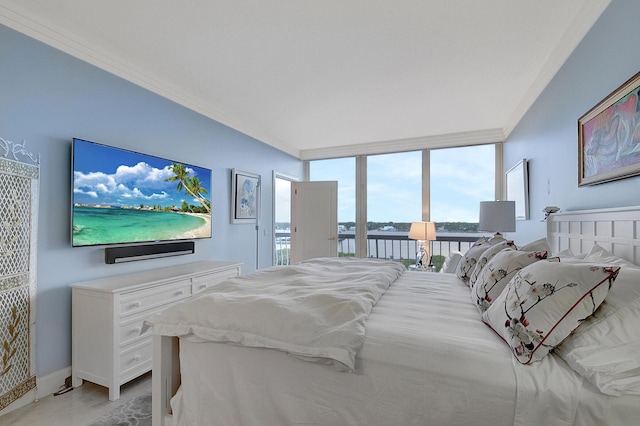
[[421, 269]]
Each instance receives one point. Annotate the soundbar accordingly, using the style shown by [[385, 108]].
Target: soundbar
[[123, 254]]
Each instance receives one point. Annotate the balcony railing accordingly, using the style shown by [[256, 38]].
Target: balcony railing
[[387, 245]]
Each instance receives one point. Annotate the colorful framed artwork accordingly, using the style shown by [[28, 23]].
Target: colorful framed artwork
[[516, 182], [245, 193], [609, 137]]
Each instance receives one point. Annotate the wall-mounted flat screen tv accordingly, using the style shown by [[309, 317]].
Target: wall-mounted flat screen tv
[[121, 197]]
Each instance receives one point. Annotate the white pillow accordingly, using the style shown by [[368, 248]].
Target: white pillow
[[451, 263], [604, 350], [544, 303], [567, 256], [600, 255], [497, 273], [537, 245]]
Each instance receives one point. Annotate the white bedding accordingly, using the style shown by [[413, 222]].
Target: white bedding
[[427, 359], [412, 369], [315, 309]]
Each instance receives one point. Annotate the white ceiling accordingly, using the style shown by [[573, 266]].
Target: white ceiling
[[327, 78]]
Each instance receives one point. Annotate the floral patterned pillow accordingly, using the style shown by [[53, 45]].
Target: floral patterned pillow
[[469, 260], [486, 256], [497, 273], [545, 302]]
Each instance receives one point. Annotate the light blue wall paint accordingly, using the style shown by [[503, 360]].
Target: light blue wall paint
[[46, 99], [548, 134]]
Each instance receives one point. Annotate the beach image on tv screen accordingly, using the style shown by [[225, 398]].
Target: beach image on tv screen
[[121, 196]]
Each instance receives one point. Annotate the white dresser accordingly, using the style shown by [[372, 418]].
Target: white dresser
[[107, 345]]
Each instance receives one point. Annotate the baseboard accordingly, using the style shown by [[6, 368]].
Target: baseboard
[[52, 383], [45, 386]]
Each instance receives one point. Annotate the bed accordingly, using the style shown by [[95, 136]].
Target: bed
[[431, 348]]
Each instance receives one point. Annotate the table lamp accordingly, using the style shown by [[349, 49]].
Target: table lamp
[[424, 232], [498, 217]]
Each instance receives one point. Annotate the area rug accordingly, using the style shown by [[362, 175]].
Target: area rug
[[136, 412]]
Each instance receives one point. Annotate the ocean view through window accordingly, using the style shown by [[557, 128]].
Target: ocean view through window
[[458, 178]]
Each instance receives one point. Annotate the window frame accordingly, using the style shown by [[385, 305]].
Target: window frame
[[361, 187]]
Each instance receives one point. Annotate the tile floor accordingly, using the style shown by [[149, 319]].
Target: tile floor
[[78, 407]]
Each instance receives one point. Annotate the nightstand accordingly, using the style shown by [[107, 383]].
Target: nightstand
[[421, 269]]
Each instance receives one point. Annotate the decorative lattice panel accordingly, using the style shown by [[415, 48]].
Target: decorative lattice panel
[[14, 338], [15, 215], [18, 234]]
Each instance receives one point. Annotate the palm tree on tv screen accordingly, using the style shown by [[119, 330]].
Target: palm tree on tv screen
[[190, 184]]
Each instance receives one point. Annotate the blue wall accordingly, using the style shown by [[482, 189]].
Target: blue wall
[[47, 98], [548, 134]]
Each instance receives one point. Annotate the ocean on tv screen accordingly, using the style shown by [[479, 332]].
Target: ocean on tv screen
[[107, 225]]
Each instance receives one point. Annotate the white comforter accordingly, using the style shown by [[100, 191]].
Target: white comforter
[[316, 309], [427, 359]]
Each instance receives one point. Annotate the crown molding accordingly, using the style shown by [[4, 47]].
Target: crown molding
[[29, 25], [61, 39], [26, 24], [449, 140]]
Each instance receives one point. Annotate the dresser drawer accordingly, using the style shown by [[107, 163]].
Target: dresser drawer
[[131, 327], [136, 359], [138, 301], [130, 331], [203, 282]]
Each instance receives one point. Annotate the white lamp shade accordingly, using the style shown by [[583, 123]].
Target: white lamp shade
[[497, 216], [423, 231]]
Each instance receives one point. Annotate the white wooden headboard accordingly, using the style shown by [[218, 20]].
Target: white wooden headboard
[[615, 229]]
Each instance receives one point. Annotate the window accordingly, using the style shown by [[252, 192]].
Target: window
[[343, 171], [394, 189], [459, 179], [456, 180]]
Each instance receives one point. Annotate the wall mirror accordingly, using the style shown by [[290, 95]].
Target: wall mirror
[[517, 188]]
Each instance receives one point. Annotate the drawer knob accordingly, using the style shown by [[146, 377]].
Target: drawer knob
[[137, 330], [136, 357], [137, 304], [181, 292]]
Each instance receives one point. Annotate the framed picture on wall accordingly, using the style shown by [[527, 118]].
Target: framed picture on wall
[[608, 139], [516, 184], [245, 194]]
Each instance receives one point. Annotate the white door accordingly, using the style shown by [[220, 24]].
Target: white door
[[314, 220]]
